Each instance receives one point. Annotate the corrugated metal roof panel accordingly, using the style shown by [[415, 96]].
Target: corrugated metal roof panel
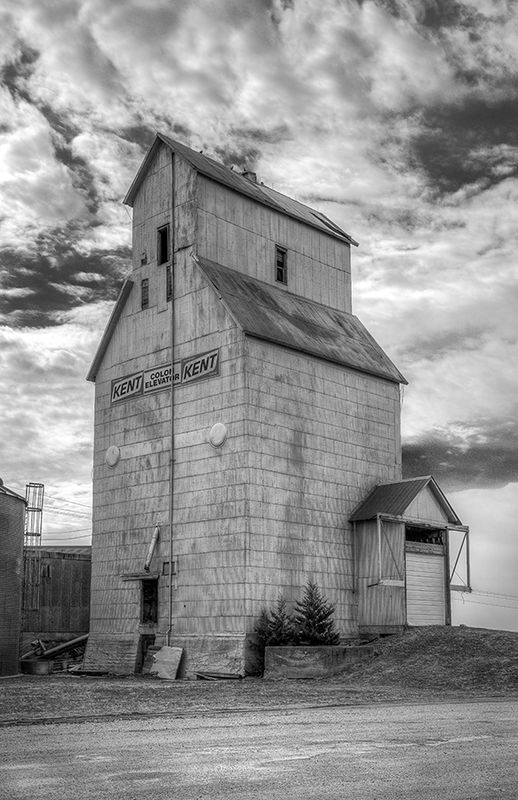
[[390, 498], [234, 180], [393, 499], [110, 327], [275, 315], [77, 550], [10, 493]]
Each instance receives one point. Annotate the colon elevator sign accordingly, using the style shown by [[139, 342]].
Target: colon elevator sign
[[204, 365]]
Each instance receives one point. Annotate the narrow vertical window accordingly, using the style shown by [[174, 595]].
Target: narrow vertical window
[[281, 264], [169, 282], [144, 293], [163, 245]]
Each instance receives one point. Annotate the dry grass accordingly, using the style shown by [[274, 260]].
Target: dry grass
[[421, 664], [447, 659]]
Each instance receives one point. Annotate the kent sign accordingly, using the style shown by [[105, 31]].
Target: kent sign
[[204, 365]]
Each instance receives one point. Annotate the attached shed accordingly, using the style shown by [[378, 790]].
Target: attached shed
[[411, 550]]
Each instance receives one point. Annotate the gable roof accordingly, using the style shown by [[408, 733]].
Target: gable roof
[[393, 499], [110, 327], [234, 180], [275, 315]]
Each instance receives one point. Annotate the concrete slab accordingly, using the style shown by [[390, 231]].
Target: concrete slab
[[312, 662], [166, 662]]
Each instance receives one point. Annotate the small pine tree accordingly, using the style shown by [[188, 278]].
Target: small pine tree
[[275, 628], [313, 618]]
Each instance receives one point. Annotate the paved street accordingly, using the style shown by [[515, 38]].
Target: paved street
[[460, 750]]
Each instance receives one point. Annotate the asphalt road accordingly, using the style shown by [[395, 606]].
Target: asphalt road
[[459, 750]]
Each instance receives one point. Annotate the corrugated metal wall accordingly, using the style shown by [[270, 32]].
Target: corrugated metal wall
[[12, 511]]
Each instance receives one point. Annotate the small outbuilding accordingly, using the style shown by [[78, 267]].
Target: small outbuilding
[[60, 610], [411, 550]]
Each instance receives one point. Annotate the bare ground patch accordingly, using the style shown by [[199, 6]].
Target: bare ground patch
[[421, 664]]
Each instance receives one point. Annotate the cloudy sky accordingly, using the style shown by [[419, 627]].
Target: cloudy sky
[[397, 118]]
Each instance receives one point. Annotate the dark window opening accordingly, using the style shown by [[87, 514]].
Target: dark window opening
[[163, 245], [149, 601], [424, 535], [144, 293], [281, 264]]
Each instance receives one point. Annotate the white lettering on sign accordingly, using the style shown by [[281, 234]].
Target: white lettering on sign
[[129, 386], [200, 366], [204, 365]]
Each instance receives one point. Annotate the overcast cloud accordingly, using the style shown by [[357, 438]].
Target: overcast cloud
[[398, 119]]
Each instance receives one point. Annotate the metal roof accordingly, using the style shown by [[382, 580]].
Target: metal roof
[[10, 493], [393, 499], [110, 327], [270, 313], [64, 549], [234, 180]]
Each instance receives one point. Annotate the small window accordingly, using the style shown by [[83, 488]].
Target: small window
[[144, 293], [163, 245], [281, 264]]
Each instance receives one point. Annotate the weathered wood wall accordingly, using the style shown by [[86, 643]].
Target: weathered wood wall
[[130, 498], [426, 508], [306, 438], [380, 605], [64, 598], [210, 484], [320, 436], [237, 232]]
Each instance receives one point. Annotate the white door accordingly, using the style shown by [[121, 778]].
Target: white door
[[425, 590]]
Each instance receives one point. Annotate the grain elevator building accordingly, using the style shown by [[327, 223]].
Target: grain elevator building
[[242, 414]]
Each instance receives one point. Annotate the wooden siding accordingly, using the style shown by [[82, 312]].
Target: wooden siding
[[319, 436], [379, 603], [426, 508], [241, 234], [306, 438], [64, 601], [210, 484]]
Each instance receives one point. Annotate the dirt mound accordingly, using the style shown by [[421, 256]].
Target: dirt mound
[[445, 658]]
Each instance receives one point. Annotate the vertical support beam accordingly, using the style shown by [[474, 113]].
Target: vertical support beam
[[378, 529], [468, 571], [354, 545], [447, 576], [171, 463]]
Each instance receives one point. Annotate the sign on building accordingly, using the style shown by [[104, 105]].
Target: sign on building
[[203, 365]]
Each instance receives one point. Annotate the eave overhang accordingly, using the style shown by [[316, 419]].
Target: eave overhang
[[110, 327]]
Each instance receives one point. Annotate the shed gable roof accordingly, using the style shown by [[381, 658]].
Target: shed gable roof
[[275, 315], [234, 180], [393, 499]]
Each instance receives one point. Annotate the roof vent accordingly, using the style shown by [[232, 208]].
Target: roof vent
[[251, 176]]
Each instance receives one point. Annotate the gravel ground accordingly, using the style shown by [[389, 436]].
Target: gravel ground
[[423, 664]]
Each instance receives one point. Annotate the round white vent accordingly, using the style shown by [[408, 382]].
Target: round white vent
[[218, 434], [112, 455]]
